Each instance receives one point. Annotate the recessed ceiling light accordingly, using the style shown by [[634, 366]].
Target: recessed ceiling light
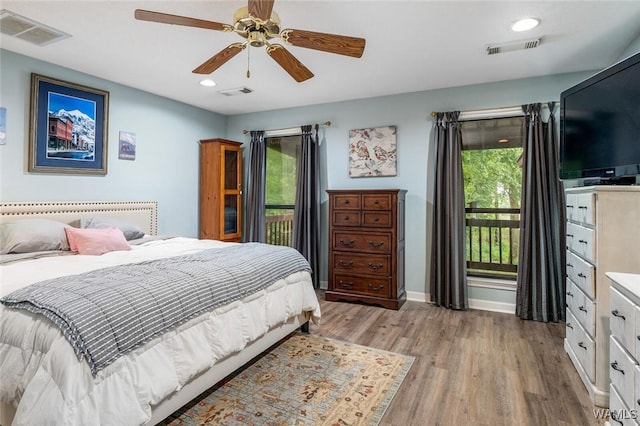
[[208, 83], [524, 24]]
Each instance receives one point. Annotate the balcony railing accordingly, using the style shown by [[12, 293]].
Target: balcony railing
[[493, 239], [279, 225]]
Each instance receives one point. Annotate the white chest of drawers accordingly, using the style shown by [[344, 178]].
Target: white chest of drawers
[[603, 234], [624, 355]]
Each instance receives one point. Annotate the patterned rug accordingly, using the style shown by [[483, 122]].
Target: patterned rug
[[304, 380]]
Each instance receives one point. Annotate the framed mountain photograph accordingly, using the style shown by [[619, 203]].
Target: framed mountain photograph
[[67, 128]]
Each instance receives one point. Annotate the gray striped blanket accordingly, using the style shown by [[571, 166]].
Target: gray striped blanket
[[107, 313]]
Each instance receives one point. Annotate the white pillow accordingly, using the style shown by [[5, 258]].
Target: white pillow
[[130, 230], [31, 235]]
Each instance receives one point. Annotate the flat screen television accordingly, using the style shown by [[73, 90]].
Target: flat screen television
[[600, 125]]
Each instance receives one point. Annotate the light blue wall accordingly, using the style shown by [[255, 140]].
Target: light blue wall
[[167, 135], [632, 49], [411, 114]]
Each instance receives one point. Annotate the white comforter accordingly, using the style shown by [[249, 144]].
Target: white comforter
[[40, 372]]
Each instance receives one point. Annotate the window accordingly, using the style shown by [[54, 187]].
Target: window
[[492, 170], [280, 187]]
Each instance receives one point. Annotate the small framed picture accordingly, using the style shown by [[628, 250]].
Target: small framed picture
[[372, 152], [127, 146], [68, 127]]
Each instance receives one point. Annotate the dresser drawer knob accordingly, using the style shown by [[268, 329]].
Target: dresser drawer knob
[[582, 207], [616, 313], [346, 201], [376, 245], [570, 206], [569, 325], [582, 345], [581, 275], [375, 266], [345, 284], [376, 219], [569, 294], [346, 264], [376, 202], [582, 308], [376, 288], [583, 241], [570, 235], [569, 265], [347, 243], [346, 218], [614, 365]]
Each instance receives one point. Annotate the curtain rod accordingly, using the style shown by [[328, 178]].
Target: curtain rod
[[272, 132], [476, 114]]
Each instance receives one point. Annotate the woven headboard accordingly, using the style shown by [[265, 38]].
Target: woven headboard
[[142, 213]]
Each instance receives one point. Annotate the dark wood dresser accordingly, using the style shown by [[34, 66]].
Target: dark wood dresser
[[366, 246]]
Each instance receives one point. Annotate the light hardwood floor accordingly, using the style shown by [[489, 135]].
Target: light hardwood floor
[[471, 367]]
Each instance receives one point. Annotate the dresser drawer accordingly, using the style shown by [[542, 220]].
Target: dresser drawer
[[362, 285], [622, 322], [371, 242], [581, 240], [585, 211], [620, 414], [376, 201], [377, 219], [583, 308], [583, 346], [571, 206], [346, 218], [361, 264], [636, 336], [622, 371], [582, 274], [346, 201]]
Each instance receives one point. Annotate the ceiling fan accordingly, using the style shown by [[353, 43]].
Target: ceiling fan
[[258, 24]]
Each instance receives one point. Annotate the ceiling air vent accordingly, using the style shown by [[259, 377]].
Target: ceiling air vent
[[236, 91], [26, 29], [494, 49]]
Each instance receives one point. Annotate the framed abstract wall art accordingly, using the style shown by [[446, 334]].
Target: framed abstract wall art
[[372, 152], [67, 128]]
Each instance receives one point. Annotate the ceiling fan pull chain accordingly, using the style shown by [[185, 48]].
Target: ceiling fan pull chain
[[248, 58]]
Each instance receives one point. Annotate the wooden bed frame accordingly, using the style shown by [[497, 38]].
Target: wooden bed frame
[[144, 214]]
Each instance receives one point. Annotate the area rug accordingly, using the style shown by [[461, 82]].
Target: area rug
[[304, 380]]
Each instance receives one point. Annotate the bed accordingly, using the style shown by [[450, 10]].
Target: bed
[[42, 377]]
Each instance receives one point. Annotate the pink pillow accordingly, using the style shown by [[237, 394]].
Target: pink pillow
[[96, 241]]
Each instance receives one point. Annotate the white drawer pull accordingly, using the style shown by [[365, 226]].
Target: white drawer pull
[[614, 365], [613, 417], [615, 313]]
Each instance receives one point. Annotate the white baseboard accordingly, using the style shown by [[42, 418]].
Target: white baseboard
[[480, 304]]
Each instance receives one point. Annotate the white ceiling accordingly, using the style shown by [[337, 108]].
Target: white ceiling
[[411, 46]]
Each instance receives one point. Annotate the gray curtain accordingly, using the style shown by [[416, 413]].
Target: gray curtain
[[448, 261], [541, 264], [306, 229], [255, 189]]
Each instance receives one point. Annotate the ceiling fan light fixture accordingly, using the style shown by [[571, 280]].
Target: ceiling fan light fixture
[[207, 82], [524, 24]]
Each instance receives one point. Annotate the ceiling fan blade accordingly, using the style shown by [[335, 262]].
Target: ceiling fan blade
[[289, 63], [165, 18], [332, 43], [261, 9], [219, 59]]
